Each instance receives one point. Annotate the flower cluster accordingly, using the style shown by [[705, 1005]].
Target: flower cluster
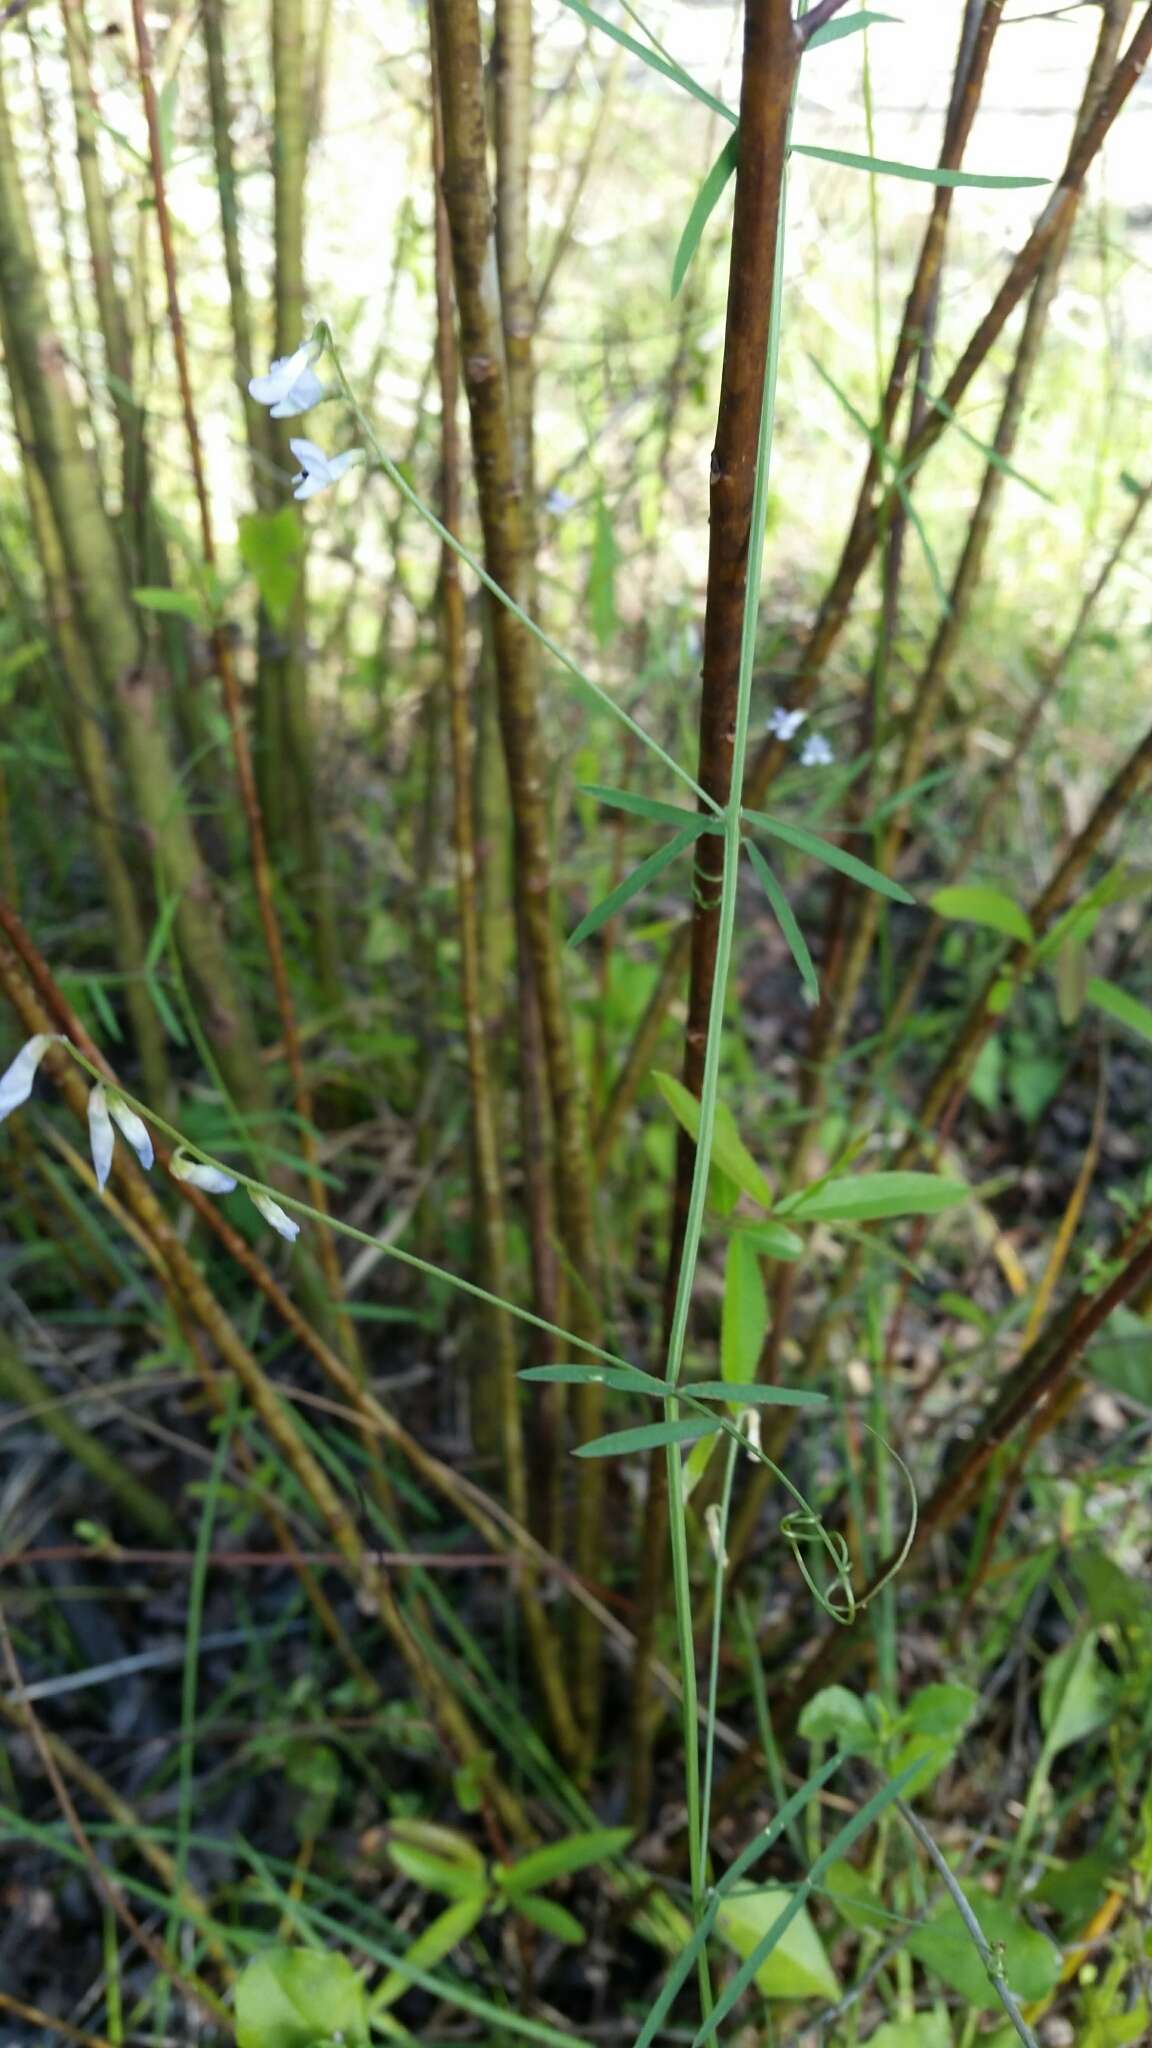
[[109, 1113], [292, 387], [784, 725]]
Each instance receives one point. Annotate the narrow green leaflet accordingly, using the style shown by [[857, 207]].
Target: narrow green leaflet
[[988, 907], [648, 807], [923, 174], [989, 453], [649, 1436], [638, 879], [651, 58], [785, 917], [559, 1859], [1120, 1006], [753, 1394], [868, 1197], [832, 856], [845, 25], [624, 1379], [703, 207], [886, 455], [729, 1152]]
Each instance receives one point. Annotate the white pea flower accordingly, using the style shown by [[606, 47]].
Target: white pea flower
[[816, 753], [104, 1110], [318, 470], [291, 385], [197, 1174], [101, 1136], [784, 725], [559, 502], [16, 1081], [274, 1214]]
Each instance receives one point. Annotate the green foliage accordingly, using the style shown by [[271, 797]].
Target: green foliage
[[271, 548], [300, 1998]]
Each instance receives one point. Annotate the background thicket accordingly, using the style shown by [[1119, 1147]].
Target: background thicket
[[596, 1485]]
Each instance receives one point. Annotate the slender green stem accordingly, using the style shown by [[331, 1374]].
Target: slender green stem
[[719, 1530], [694, 1224]]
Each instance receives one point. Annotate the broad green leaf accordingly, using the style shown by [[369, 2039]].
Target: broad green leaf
[[943, 1710], [430, 1947], [271, 548], [944, 1946], [602, 575], [647, 807], [1033, 1080], [1077, 1694], [703, 207], [845, 25], [650, 1436], [798, 1966], [184, 604], [988, 907], [987, 1076], [832, 856], [558, 1859], [754, 1394], [1120, 1006], [774, 1240], [1121, 1356], [550, 1918], [292, 1997], [923, 174], [729, 1151], [867, 1197], [785, 917], [837, 1715], [928, 2030], [857, 1901], [744, 1315], [638, 879]]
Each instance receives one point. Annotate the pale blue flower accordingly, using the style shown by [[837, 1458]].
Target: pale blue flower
[[816, 752], [784, 725], [318, 470], [291, 385]]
